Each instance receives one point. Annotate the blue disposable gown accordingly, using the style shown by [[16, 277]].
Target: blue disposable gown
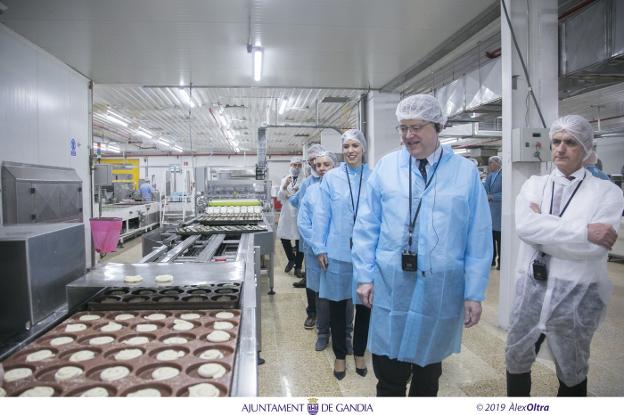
[[304, 222], [418, 317], [494, 187], [333, 228], [296, 199]]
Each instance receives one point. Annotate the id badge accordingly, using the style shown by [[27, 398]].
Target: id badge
[[409, 261], [540, 272]]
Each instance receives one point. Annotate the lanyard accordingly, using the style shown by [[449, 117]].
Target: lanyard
[[354, 206], [413, 222], [552, 195]]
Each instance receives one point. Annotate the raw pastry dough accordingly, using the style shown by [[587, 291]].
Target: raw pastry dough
[[136, 341], [40, 355], [218, 336], [175, 340], [112, 326], [211, 370], [211, 354], [89, 317], [38, 392], [156, 316], [114, 373], [72, 328], [17, 374], [67, 372], [128, 354], [133, 279], [165, 278], [190, 316], [98, 341], [151, 392], [59, 341], [97, 392], [166, 372], [203, 389], [122, 317], [223, 325], [224, 315], [181, 325], [146, 327], [81, 356], [170, 354]]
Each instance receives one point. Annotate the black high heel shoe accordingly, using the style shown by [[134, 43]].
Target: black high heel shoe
[[340, 375], [363, 371]]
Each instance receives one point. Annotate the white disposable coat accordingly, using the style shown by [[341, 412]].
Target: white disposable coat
[[568, 306], [287, 225]]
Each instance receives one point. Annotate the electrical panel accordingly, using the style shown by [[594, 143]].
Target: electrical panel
[[530, 144]]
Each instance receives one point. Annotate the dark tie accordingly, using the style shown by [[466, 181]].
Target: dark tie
[[422, 168], [570, 178]]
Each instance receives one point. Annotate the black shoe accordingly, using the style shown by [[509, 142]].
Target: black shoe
[[321, 343], [299, 273], [289, 266], [362, 372], [340, 375], [309, 323], [300, 284]]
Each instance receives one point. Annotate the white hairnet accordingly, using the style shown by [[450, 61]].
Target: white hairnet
[[296, 160], [328, 154], [495, 159], [315, 149], [578, 127], [355, 134], [422, 106]]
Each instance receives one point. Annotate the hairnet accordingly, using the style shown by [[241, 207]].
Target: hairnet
[[296, 160], [328, 154], [495, 159], [315, 149], [355, 134], [578, 127], [422, 106]]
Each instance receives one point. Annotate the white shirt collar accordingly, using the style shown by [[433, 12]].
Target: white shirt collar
[[578, 175]]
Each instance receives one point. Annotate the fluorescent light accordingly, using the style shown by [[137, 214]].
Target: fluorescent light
[[187, 98], [113, 149], [448, 140], [116, 120], [178, 149], [257, 62], [460, 151], [143, 133], [164, 142], [282, 107]]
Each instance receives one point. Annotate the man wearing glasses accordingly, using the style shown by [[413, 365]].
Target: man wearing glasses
[[422, 249]]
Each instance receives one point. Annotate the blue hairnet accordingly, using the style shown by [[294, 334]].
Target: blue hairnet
[[355, 134], [422, 106]]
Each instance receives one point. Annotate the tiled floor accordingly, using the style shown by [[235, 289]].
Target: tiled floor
[[293, 368]]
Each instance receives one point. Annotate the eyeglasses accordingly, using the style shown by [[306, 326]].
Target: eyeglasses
[[414, 129]]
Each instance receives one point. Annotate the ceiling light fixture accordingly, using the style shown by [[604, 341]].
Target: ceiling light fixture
[[257, 52], [460, 150], [178, 149], [142, 132], [186, 98], [449, 140], [282, 107], [116, 120]]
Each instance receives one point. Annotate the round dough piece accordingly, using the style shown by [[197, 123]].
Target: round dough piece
[[203, 389], [128, 354], [156, 316], [224, 315], [72, 328], [114, 373], [218, 336], [40, 355], [170, 354], [147, 392], [165, 372], [211, 354], [17, 374], [136, 340], [182, 325], [190, 316], [67, 372], [110, 327], [211, 370], [59, 341], [89, 317], [133, 279], [82, 355], [164, 279], [146, 327], [175, 340], [98, 341], [97, 392], [223, 325], [124, 316], [38, 392]]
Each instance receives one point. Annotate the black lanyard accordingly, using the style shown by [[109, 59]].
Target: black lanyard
[[413, 222], [354, 206], [552, 196]]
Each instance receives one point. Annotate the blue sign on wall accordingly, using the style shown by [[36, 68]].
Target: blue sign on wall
[[73, 146]]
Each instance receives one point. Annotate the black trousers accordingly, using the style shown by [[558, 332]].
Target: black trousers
[[292, 253], [312, 298], [496, 239], [360, 329], [393, 375], [338, 327], [519, 384]]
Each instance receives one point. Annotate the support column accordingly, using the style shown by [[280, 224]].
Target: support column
[[535, 24], [381, 134]]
